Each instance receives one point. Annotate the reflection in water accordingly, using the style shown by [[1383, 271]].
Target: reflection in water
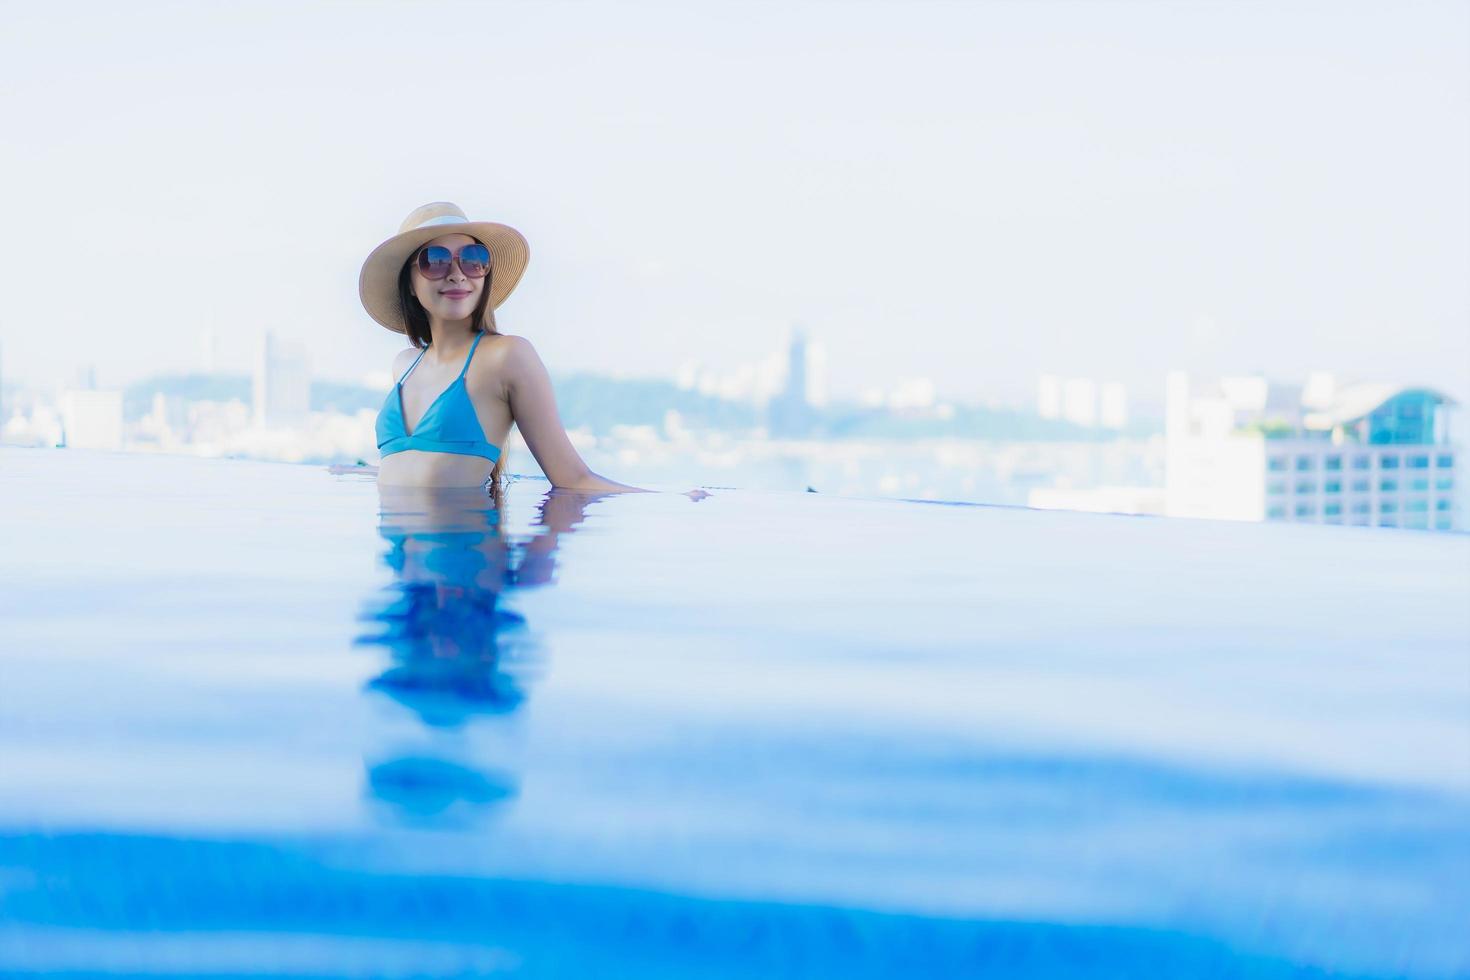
[[460, 661]]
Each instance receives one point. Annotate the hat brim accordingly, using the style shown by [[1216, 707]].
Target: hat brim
[[377, 284]]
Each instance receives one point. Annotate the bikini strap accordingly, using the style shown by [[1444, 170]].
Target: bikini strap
[[470, 354], [415, 364]]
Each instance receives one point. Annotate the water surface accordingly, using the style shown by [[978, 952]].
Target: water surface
[[258, 718]]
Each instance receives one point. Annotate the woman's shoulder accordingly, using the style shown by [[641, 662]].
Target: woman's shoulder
[[516, 350], [402, 360], [506, 342], [502, 362], [506, 350]]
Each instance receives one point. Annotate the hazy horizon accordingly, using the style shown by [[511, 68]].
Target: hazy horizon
[[974, 193]]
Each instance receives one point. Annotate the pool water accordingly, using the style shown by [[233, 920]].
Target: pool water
[[260, 719]]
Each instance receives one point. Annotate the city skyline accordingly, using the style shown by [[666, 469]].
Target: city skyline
[[1085, 401], [1225, 452]]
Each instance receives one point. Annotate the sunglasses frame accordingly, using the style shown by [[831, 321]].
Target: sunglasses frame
[[454, 255]]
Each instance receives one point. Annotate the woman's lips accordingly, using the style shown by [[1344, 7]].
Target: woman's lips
[[455, 293]]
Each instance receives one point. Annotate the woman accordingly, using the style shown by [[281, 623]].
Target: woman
[[462, 383]]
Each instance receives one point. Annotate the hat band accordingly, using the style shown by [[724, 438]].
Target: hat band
[[446, 219]]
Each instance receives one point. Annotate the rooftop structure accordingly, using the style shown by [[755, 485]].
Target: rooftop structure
[[1246, 448]]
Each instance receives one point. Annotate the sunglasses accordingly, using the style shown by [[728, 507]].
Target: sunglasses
[[434, 261]]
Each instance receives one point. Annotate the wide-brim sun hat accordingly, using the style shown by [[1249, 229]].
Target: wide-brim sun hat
[[377, 284]]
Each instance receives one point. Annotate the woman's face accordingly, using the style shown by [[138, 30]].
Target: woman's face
[[453, 297]]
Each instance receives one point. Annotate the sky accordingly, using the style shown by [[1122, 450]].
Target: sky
[[971, 192]]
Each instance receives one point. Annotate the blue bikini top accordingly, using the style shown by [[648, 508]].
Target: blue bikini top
[[449, 426]]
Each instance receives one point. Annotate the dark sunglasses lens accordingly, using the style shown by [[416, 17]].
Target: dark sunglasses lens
[[474, 260], [434, 262]]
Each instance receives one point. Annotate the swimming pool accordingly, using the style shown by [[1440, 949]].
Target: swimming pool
[[256, 718]]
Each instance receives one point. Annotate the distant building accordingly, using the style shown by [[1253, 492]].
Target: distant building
[[92, 419], [1113, 406], [166, 424], [1244, 448], [1082, 401], [790, 412], [816, 374], [1079, 401], [282, 384], [1049, 397]]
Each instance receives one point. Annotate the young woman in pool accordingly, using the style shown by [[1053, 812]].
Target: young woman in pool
[[462, 383]]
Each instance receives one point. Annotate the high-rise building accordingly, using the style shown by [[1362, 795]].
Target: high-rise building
[[790, 412], [1245, 448], [91, 418], [1079, 401], [796, 367], [1049, 397], [1113, 406], [282, 384], [1082, 401], [816, 373]]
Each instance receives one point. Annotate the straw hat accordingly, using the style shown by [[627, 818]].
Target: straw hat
[[377, 284]]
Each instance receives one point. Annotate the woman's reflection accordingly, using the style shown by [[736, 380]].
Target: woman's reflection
[[460, 660]]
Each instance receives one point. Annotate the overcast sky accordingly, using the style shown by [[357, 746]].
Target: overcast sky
[[973, 192]]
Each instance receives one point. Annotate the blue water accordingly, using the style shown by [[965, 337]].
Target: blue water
[[259, 719]]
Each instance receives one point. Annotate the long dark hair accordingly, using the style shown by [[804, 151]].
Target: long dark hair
[[416, 318]]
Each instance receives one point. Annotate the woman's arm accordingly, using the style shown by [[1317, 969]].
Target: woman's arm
[[533, 407]]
